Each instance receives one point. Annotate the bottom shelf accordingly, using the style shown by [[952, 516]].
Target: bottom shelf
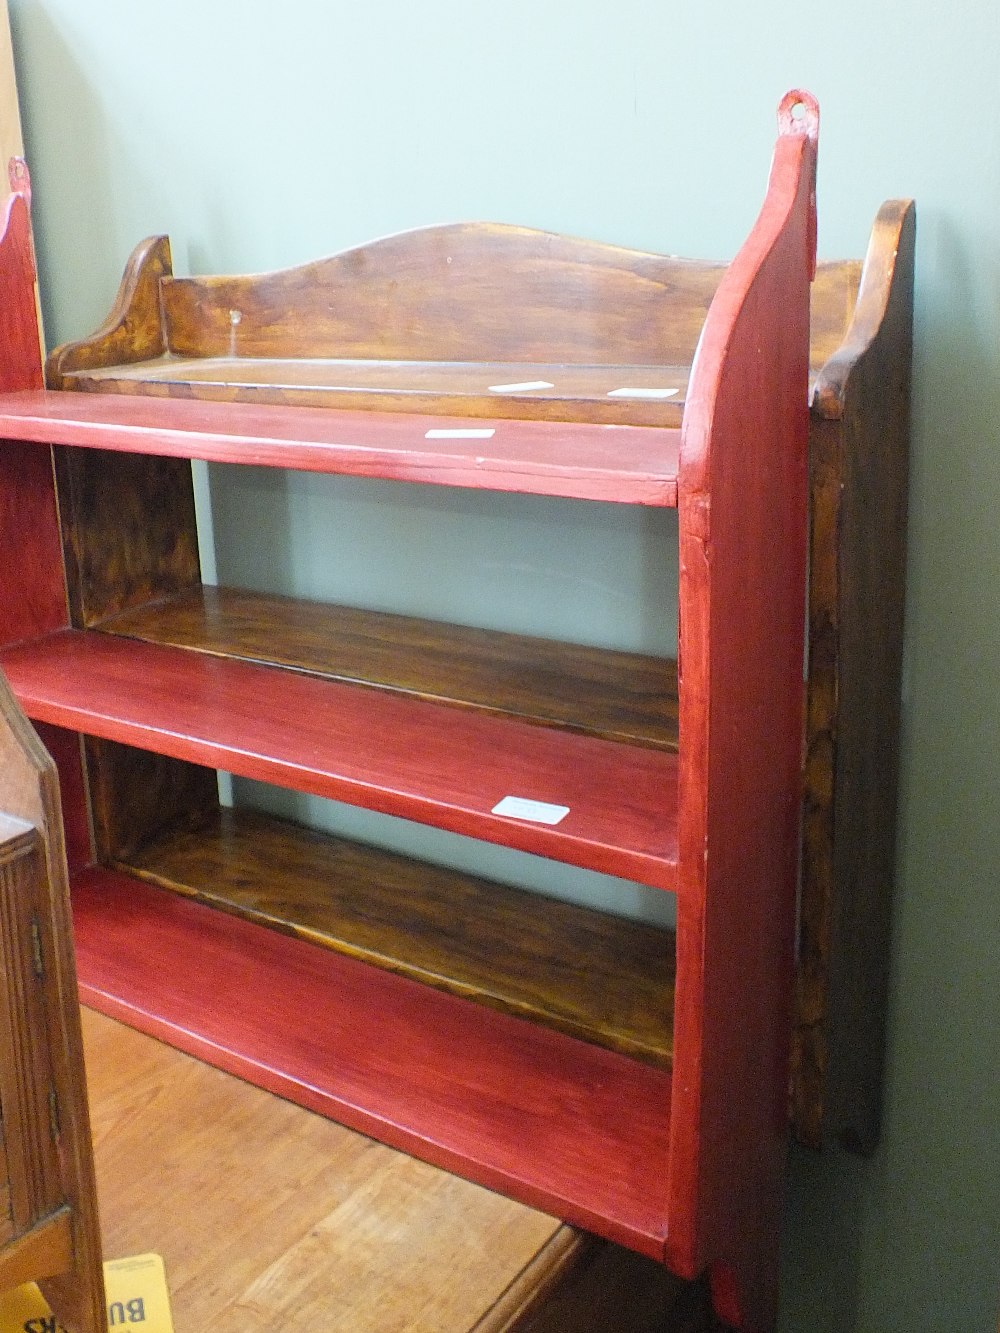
[[588, 973], [560, 1124]]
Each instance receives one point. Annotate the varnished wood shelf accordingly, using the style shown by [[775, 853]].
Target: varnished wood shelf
[[632, 395], [596, 976], [560, 1124], [420, 760], [612, 694], [627, 464]]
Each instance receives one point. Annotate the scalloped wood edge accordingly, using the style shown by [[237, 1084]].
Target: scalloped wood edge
[[134, 329], [886, 281]]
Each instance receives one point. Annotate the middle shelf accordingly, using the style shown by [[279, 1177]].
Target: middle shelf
[[378, 748]]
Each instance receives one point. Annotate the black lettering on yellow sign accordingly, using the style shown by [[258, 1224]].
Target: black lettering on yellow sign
[[120, 1312], [127, 1312]]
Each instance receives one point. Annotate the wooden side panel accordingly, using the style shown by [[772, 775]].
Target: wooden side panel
[[743, 501], [29, 791], [20, 363], [137, 795], [133, 331], [25, 1067], [860, 456], [129, 530]]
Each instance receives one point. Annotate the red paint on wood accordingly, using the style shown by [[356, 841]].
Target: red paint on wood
[[742, 504], [21, 363], [32, 589], [64, 747], [560, 1124], [628, 464], [409, 757], [32, 593]]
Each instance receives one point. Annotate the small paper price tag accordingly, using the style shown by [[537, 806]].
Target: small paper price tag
[[539, 812]]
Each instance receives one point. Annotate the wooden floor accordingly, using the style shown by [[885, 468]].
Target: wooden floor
[[271, 1218]]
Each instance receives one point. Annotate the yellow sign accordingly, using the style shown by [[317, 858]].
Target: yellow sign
[[137, 1301]]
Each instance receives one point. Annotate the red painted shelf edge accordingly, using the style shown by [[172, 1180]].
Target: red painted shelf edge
[[428, 1051], [621, 464], [441, 766]]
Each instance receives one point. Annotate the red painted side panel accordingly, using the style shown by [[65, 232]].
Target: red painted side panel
[[64, 747], [743, 504], [32, 594], [32, 589]]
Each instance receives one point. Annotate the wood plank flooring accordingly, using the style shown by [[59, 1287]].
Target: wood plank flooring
[[272, 1218]]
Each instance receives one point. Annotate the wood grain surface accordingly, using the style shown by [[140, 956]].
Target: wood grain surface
[[860, 454], [270, 1217], [599, 977], [627, 395], [597, 691], [128, 529]]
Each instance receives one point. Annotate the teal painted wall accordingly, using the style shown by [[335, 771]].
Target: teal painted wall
[[260, 135]]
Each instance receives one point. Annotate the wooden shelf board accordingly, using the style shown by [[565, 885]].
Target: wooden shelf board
[[424, 761], [617, 695], [627, 464], [635, 395], [559, 1124], [599, 977]]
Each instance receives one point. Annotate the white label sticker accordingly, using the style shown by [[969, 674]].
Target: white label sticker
[[526, 387], [643, 393], [459, 434], [539, 812]]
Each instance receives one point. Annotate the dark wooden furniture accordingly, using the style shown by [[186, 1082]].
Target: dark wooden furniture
[[647, 1099], [48, 1212]]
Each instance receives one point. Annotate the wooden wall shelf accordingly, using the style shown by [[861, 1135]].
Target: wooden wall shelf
[[632, 1079]]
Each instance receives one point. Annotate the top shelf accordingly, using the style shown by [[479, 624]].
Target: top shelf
[[622, 463], [606, 394]]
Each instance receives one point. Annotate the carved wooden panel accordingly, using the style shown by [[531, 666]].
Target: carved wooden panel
[[25, 1069]]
